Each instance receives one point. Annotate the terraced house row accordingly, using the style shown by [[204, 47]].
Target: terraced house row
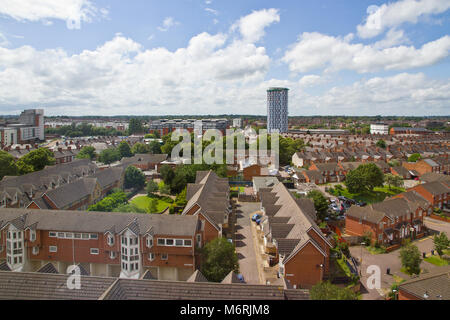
[[70, 186], [289, 226], [104, 243]]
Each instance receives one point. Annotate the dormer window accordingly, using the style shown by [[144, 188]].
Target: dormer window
[[110, 239], [32, 235], [149, 241]]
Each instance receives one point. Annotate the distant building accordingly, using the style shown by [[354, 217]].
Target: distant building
[[277, 109], [409, 130], [165, 126], [237, 123], [29, 127], [379, 128]]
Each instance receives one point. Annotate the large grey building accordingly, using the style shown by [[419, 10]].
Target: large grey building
[[277, 109]]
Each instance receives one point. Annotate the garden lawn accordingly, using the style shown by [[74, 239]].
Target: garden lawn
[[144, 202], [377, 195], [438, 261]]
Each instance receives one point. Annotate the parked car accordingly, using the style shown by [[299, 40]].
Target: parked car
[[256, 217], [241, 278]]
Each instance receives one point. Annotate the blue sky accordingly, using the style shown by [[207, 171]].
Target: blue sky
[[214, 57]]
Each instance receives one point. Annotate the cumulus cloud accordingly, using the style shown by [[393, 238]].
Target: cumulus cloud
[[252, 27], [74, 12], [213, 11], [310, 80], [121, 77], [316, 51], [168, 23], [401, 94], [396, 13]]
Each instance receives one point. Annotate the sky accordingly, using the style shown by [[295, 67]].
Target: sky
[[192, 57]]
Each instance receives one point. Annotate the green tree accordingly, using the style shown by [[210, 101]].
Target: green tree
[[134, 178], [87, 152], [153, 206], [23, 168], [180, 200], [109, 156], [320, 203], [125, 150], [364, 178], [8, 166], [155, 147], [140, 148], [381, 144], [414, 157], [393, 180], [167, 174], [135, 126], [109, 203], [327, 291], [38, 159], [219, 259], [152, 187], [163, 188], [411, 258], [441, 243], [178, 183]]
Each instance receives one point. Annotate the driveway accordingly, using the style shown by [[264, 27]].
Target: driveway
[[245, 242]]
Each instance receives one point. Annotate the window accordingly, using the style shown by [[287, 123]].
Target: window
[[112, 255], [178, 242], [199, 240], [161, 242], [35, 250], [187, 243], [77, 235], [69, 235], [85, 236], [110, 239], [53, 248], [93, 236], [149, 241], [164, 256], [169, 242], [32, 235], [151, 256], [61, 234], [94, 250]]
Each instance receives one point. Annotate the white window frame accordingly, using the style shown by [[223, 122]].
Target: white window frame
[[53, 249], [110, 239], [32, 235], [92, 251], [52, 234], [151, 256], [35, 250], [112, 255], [149, 241], [162, 256], [187, 245], [93, 236]]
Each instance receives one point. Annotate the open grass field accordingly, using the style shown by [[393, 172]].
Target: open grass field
[[144, 202], [377, 195]]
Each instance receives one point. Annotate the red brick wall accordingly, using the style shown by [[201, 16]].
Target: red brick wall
[[302, 270]]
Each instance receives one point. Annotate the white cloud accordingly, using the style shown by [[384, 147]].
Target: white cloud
[[310, 80], [121, 77], [213, 11], [393, 37], [72, 11], [318, 51], [401, 94], [3, 40], [168, 23], [252, 26], [396, 13]]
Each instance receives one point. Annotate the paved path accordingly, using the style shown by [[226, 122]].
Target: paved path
[[245, 244]]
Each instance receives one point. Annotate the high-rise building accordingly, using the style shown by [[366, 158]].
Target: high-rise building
[[277, 109]]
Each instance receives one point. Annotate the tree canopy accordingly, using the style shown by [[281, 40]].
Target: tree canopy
[[87, 152], [109, 203], [109, 156], [8, 166], [320, 203], [124, 150], [441, 243], [411, 258], [328, 291], [219, 259], [364, 178], [134, 178], [37, 160]]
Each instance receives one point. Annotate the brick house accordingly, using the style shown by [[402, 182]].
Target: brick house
[[313, 176], [437, 193], [209, 199], [331, 171], [388, 222], [401, 172], [428, 286], [288, 224], [106, 244]]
